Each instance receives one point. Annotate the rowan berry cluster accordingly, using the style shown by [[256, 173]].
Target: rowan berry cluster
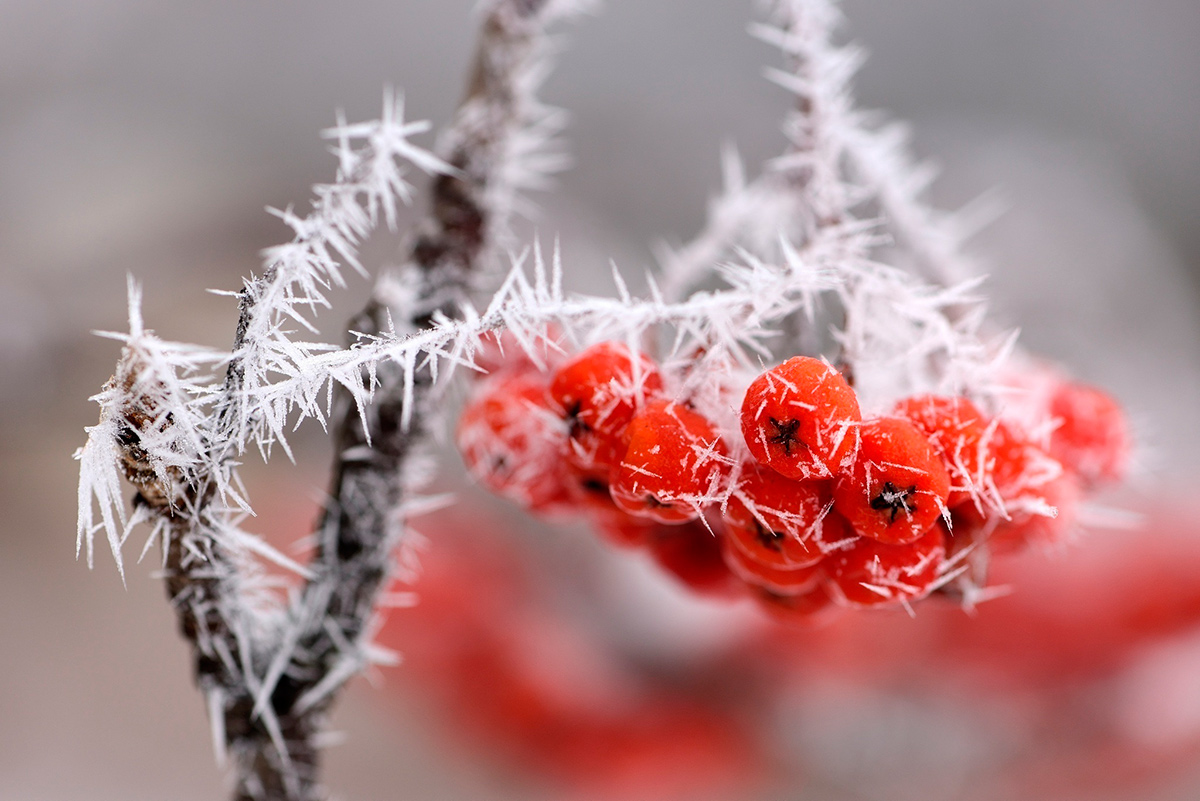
[[811, 503]]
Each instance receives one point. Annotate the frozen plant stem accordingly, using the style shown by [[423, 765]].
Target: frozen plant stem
[[840, 165], [270, 675], [360, 527]]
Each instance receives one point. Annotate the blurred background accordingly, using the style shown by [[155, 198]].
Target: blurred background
[[146, 137]]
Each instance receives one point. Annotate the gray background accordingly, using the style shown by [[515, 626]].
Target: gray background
[[146, 137]]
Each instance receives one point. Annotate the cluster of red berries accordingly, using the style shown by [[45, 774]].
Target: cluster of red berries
[[814, 504]]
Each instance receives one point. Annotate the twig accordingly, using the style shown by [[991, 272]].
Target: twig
[[375, 446], [175, 431], [838, 160]]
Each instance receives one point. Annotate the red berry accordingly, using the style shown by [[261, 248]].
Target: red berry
[[622, 529], [675, 464], [780, 522], [513, 444], [801, 419], [1045, 520], [502, 352], [897, 487], [807, 607], [956, 429], [692, 554], [965, 569], [589, 488], [597, 393], [1092, 438], [781, 580], [1020, 469], [872, 573]]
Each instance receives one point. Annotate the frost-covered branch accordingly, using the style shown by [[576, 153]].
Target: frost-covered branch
[[839, 164], [879, 157], [382, 413], [175, 430], [804, 188], [210, 424], [899, 334], [381, 427], [370, 182]]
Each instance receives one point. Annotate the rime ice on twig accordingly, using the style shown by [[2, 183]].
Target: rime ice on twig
[[175, 429], [154, 426], [840, 164], [370, 183], [491, 149], [898, 334]]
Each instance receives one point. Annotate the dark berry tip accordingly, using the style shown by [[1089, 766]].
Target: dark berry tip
[[785, 434]]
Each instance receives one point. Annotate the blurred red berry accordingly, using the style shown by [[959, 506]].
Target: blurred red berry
[[897, 487], [801, 419], [589, 488], [503, 352], [692, 554], [1044, 520], [805, 608], [781, 522], [675, 463], [780, 580], [620, 528], [513, 444], [1032, 501], [872, 573], [1092, 437], [1020, 469], [598, 392], [956, 429], [968, 557]]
